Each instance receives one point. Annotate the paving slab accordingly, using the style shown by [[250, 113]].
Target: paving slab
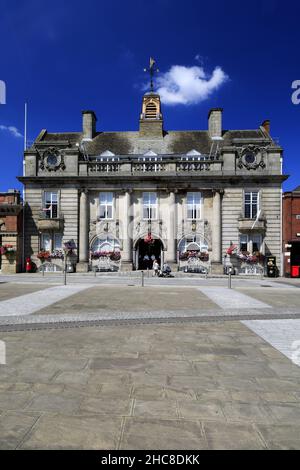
[[14, 426], [11, 290], [162, 434], [280, 437], [232, 436], [61, 431], [230, 298], [32, 302]]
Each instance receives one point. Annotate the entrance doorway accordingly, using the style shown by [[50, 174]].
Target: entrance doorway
[[295, 259], [147, 252]]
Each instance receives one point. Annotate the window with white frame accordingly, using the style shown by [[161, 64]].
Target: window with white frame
[[250, 243], [193, 201], [149, 205], [50, 204], [51, 242], [251, 202], [57, 241], [106, 205]]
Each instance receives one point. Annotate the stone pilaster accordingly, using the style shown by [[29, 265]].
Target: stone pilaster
[[217, 232], [171, 257], [82, 266], [127, 233]]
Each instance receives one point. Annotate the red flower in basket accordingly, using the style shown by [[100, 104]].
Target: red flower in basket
[[43, 255], [149, 239]]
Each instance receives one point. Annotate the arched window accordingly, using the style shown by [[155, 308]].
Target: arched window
[[151, 110], [105, 244], [192, 243]]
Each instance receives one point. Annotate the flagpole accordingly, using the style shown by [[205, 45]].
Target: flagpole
[[23, 192]]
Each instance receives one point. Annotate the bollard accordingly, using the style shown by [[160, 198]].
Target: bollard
[[229, 280], [43, 269], [142, 278], [148, 273], [95, 271]]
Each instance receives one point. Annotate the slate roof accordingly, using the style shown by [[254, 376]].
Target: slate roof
[[171, 142]]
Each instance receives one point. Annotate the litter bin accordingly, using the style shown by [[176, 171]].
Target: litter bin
[[272, 270]]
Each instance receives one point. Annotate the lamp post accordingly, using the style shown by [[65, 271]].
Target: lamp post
[[65, 266]]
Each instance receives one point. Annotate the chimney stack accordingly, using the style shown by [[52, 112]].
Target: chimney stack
[[266, 125], [215, 123], [88, 124]]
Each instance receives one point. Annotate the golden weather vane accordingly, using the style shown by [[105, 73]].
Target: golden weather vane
[[152, 69]]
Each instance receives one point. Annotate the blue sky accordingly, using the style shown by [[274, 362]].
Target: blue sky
[[62, 57]]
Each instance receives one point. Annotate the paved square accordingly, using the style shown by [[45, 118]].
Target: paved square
[[194, 386], [104, 363]]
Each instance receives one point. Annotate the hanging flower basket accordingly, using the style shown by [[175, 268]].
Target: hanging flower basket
[[149, 239], [7, 250]]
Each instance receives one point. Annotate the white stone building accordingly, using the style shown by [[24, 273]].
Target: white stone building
[[183, 197]]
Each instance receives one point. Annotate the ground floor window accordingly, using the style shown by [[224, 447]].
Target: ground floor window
[[251, 243], [51, 242]]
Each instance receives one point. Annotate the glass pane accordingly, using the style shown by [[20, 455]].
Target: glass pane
[[109, 212], [58, 241], [247, 211], [256, 242], [197, 198], [243, 242], [153, 213], [190, 213], [46, 242], [102, 212], [54, 197], [109, 198], [54, 211], [152, 198], [189, 198]]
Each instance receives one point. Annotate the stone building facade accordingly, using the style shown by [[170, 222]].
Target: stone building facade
[[10, 232], [183, 197], [291, 232]]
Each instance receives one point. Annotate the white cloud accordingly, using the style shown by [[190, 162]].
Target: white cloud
[[12, 130], [188, 85]]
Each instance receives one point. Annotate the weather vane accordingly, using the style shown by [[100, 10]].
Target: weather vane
[[152, 69]]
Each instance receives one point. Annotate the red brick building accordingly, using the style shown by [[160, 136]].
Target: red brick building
[[10, 232], [291, 232]]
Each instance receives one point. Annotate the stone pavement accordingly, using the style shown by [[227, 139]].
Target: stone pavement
[[34, 301], [147, 384], [188, 386]]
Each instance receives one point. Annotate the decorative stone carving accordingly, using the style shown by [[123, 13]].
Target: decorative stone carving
[[52, 159], [251, 157], [105, 228], [156, 227]]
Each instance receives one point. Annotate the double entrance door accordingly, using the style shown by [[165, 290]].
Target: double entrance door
[[148, 252]]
